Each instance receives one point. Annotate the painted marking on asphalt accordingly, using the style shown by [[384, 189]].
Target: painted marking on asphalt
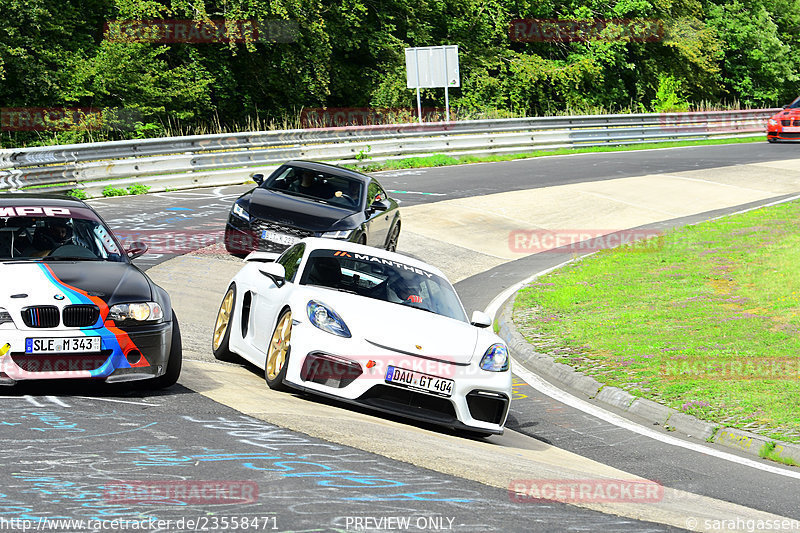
[[568, 399], [56, 401], [33, 402], [179, 209], [418, 192], [396, 173], [120, 401]]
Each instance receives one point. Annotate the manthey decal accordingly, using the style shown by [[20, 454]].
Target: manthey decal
[[382, 261], [112, 338]]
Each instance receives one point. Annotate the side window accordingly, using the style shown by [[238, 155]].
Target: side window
[[290, 259], [375, 192]]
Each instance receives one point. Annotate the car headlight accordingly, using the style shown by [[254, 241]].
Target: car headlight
[[495, 359], [341, 234], [137, 312], [326, 319], [773, 122], [5, 317], [240, 212]]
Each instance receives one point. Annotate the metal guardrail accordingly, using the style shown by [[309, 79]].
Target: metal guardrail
[[181, 162]]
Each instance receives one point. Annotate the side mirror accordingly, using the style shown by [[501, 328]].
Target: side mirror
[[137, 248], [258, 178], [274, 271], [481, 319], [379, 205], [786, 106]]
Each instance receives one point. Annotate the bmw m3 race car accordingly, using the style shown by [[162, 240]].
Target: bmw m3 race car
[[71, 303], [367, 326], [304, 199], [785, 125]]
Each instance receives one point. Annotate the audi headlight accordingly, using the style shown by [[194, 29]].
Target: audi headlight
[[240, 212], [326, 319], [773, 122], [341, 234], [5, 317], [137, 312], [495, 359]]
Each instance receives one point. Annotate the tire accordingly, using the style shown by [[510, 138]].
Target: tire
[[394, 236], [278, 352], [175, 361], [772, 140], [221, 336]]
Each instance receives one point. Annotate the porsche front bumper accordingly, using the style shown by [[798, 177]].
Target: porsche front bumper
[[355, 370]]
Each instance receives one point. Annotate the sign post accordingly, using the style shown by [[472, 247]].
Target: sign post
[[432, 66]]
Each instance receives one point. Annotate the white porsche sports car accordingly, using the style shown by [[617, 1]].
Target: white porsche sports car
[[367, 326]]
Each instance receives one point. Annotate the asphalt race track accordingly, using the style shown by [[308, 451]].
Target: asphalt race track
[[315, 466]]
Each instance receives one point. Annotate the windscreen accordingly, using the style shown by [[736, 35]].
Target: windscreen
[[795, 104], [38, 233], [319, 186], [383, 279]]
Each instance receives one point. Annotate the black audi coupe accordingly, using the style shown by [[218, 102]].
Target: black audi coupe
[[306, 199]]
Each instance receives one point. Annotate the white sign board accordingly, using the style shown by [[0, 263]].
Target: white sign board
[[432, 66]]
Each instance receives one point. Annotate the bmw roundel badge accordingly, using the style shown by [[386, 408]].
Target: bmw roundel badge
[[59, 297]]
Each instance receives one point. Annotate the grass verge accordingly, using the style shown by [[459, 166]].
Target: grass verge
[[440, 160], [705, 320], [768, 451]]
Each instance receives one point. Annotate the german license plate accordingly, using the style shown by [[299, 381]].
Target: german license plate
[[62, 345], [418, 380], [280, 238]]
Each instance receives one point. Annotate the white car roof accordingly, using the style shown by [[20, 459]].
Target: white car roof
[[318, 243]]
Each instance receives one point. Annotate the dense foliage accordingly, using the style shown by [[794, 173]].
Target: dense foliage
[[349, 53]]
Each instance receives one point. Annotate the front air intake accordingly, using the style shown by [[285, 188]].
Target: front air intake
[[81, 316], [42, 316]]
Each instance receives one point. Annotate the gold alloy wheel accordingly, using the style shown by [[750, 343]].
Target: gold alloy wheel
[[279, 346], [223, 318]]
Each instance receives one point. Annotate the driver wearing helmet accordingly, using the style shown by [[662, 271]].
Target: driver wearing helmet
[[56, 232], [402, 287]]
